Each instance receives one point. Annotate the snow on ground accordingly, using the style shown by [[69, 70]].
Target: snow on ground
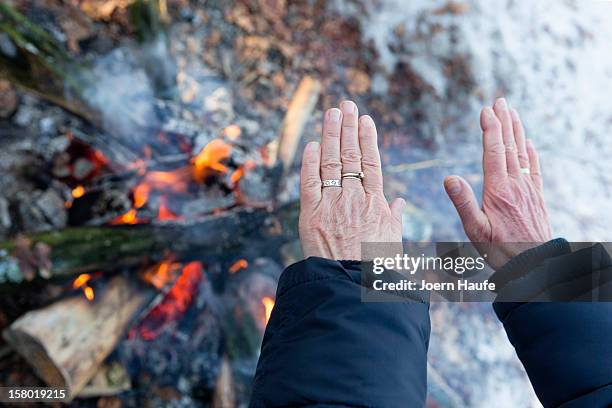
[[551, 60]]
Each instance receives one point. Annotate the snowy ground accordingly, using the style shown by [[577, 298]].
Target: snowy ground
[[551, 60]]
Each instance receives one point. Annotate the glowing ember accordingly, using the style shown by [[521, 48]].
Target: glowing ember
[[174, 305], [238, 265], [127, 218], [232, 132], [89, 293], [81, 280], [237, 175], [174, 180], [141, 194], [210, 158], [165, 214], [81, 283], [161, 274], [268, 304], [78, 191]]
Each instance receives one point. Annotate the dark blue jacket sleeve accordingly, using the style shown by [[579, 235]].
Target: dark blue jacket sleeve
[[325, 347], [565, 347]]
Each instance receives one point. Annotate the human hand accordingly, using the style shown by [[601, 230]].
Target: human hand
[[335, 221], [513, 209]]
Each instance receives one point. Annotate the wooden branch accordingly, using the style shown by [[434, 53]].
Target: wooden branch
[[299, 111], [67, 341], [84, 249], [41, 65], [224, 396]]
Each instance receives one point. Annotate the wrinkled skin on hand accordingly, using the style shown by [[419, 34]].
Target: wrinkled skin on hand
[[335, 221], [513, 215]]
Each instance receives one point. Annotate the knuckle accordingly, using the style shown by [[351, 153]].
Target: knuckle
[[350, 121], [332, 132], [477, 232], [373, 187], [310, 183], [331, 165], [368, 162], [496, 148], [351, 155], [510, 147]]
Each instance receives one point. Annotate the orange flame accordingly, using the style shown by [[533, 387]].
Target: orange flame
[[81, 280], [268, 304], [81, 283], [174, 305], [237, 175], [127, 218], [162, 273], [210, 158], [78, 191], [174, 180], [89, 293], [141, 194], [165, 214], [238, 265]]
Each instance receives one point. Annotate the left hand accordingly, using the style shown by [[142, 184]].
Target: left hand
[[513, 215], [335, 221]]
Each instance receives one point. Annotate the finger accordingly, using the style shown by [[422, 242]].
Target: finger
[[350, 153], [494, 152], [397, 208], [370, 157], [519, 139], [330, 148], [474, 220], [534, 164], [503, 114], [310, 178]]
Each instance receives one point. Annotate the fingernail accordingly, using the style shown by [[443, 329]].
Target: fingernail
[[489, 114], [453, 185], [366, 121], [348, 106], [501, 103], [334, 115], [312, 146]]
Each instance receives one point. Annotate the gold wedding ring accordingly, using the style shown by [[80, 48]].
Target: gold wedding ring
[[358, 176]]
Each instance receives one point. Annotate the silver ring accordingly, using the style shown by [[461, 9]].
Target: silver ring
[[525, 170], [332, 183]]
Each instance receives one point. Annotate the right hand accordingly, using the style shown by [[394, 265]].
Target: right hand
[[513, 209]]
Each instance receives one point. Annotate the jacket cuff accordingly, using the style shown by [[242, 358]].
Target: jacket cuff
[[524, 262], [314, 268]]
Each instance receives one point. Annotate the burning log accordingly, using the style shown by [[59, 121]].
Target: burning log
[[90, 330], [68, 252], [299, 111]]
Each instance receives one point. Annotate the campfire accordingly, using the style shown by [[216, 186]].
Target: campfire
[[174, 234]]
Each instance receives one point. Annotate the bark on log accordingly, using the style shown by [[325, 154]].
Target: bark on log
[[67, 341], [40, 64], [85, 249], [34, 61]]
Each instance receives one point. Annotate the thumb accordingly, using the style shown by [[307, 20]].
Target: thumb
[[475, 222], [397, 208]]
